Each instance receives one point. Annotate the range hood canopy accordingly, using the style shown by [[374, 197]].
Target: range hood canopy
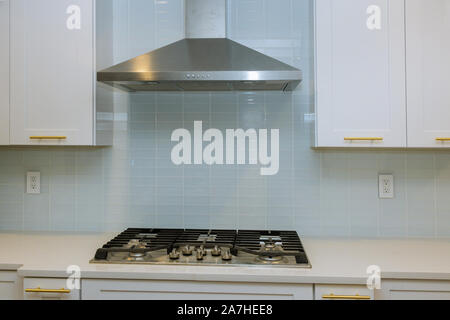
[[203, 62]]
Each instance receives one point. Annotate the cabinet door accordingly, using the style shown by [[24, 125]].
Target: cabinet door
[[428, 73], [360, 73], [4, 72], [52, 72]]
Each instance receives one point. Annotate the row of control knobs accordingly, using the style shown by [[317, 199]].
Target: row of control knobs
[[201, 252]]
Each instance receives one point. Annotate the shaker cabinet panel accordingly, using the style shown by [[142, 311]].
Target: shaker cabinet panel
[[413, 290], [52, 72], [428, 73], [176, 290], [360, 73], [10, 286], [4, 72]]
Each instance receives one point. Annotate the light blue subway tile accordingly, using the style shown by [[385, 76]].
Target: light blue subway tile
[[90, 217], [421, 223], [11, 216], [443, 223], [10, 157], [37, 212], [63, 217]]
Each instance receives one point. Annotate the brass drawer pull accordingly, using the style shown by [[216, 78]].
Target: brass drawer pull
[[48, 138], [355, 297], [363, 139], [442, 139], [39, 290]]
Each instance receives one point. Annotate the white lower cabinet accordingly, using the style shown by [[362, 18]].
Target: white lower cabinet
[[190, 290], [342, 292], [48, 289], [413, 290], [10, 286]]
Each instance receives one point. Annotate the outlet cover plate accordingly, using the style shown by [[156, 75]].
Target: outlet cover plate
[[386, 186], [33, 182]]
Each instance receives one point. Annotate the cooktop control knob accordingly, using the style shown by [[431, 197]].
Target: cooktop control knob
[[187, 251], [174, 255], [216, 251], [226, 255], [199, 255]]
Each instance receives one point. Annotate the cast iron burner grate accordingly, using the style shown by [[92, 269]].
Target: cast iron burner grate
[[264, 244]]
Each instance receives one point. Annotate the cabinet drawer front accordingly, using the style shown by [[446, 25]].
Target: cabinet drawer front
[[48, 289], [179, 290], [342, 292], [9, 285], [414, 290]]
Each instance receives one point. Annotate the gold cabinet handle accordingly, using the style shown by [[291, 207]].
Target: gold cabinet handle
[[39, 290], [443, 139], [48, 138], [355, 297], [363, 139]]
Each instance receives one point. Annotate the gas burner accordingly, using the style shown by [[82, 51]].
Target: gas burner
[[136, 256], [271, 253], [271, 259], [136, 248], [136, 244]]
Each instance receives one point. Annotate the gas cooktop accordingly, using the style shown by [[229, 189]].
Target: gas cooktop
[[204, 247]]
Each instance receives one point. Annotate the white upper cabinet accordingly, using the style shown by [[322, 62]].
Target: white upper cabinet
[[360, 73], [428, 73], [53, 72], [4, 72]]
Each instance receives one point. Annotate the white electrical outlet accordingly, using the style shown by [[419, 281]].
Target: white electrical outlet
[[33, 182], [386, 186]]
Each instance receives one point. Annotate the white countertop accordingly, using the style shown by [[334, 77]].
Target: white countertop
[[333, 260]]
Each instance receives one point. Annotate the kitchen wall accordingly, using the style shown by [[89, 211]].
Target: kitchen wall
[[134, 183]]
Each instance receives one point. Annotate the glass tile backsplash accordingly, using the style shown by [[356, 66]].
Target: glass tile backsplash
[[135, 184]]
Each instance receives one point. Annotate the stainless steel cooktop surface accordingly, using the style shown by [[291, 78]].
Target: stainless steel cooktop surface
[[205, 247]]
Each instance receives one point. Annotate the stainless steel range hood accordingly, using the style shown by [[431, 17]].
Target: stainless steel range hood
[[205, 61]]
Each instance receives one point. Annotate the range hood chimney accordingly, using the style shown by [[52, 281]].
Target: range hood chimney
[[206, 19], [204, 61]]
